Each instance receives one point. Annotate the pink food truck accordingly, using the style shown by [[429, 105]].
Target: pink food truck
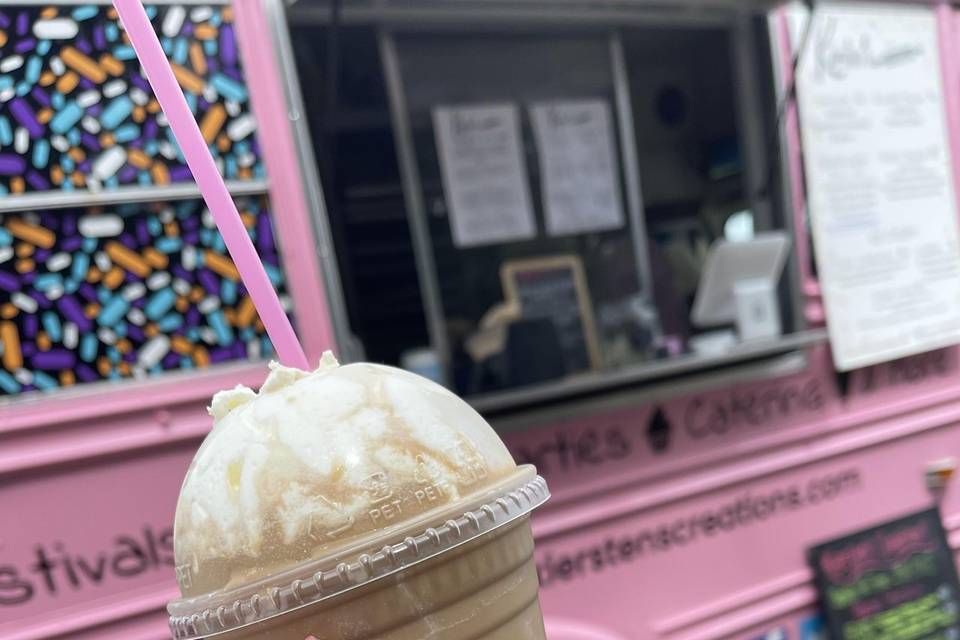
[[697, 261]]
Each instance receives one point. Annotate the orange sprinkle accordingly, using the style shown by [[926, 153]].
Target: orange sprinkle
[[94, 275], [83, 65], [77, 154], [78, 179], [244, 173], [24, 250], [248, 220], [47, 78], [26, 265], [196, 294], [43, 341], [139, 114], [187, 79], [124, 368], [114, 278], [205, 32], [17, 185], [48, 12], [8, 311], [91, 310], [246, 312], [230, 315], [197, 60], [138, 158], [56, 174], [34, 234], [112, 66], [112, 14], [227, 14], [67, 82], [200, 357], [223, 143], [12, 357], [258, 325], [67, 379], [182, 304], [151, 330], [153, 106], [159, 173], [221, 264], [103, 366], [181, 345], [129, 260], [123, 345], [171, 229], [155, 259], [44, 115], [212, 122], [3, 37], [107, 140]]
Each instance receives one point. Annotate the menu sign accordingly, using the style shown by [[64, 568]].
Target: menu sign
[[484, 175], [896, 581], [880, 181]]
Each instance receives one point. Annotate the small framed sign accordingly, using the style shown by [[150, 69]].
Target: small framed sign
[[894, 581], [555, 288]]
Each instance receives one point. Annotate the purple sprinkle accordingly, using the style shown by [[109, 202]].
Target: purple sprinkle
[[94, 110], [140, 303], [85, 166], [171, 360], [264, 232], [84, 45], [23, 23], [127, 240], [180, 173], [70, 308], [25, 45], [90, 141], [233, 73], [136, 333], [28, 277], [24, 114], [48, 220], [131, 277], [129, 356], [150, 130], [41, 299], [28, 349], [37, 181], [69, 225], [186, 29], [213, 65], [4, 20], [239, 349], [11, 164], [141, 82], [128, 174], [41, 254], [54, 359], [191, 237], [228, 48], [208, 280], [219, 355], [86, 83], [143, 234], [85, 373], [89, 292], [9, 282], [30, 325], [190, 223], [99, 37], [181, 273], [40, 96], [193, 317], [27, 388], [71, 243], [203, 104]]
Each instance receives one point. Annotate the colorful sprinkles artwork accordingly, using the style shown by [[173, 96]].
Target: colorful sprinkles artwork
[[76, 111], [130, 291]]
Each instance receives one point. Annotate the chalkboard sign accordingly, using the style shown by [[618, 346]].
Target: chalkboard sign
[[895, 581], [555, 288]]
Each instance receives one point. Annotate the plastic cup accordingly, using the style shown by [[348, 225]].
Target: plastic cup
[[368, 502]]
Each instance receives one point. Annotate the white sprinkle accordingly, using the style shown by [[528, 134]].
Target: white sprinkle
[[71, 335], [88, 98], [209, 305], [173, 21], [55, 29], [109, 162], [208, 335], [93, 184], [11, 63], [103, 261], [219, 164], [24, 302], [188, 257], [7, 94], [60, 143], [139, 373], [233, 108], [6, 253], [167, 214], [137, 317], [181, 286], [23, 376], [90, 124], [287, 303], [241, 127], [57, 66], [21, 140], [139, 96], [133, 291], [253, 350], [152, 352], [167, 150], [209, 93], [106, 336], [31, 217], [160, 279], [114, 88], [207, 218], [54, 293], [201, 14], [59, 261], [162, 119], [246, 160], [101, 226]]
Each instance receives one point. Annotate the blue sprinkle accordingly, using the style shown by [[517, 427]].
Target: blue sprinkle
[[8, 383], [219, 324], [66, 118], [6, 82], [57, 100], [74, 136], [206, 237], [260, 171], [6, 131], [231, 169], [112, 182], [210, 47], [217, 244], [41, 153], [71, 285], [116, 112], [151, 148], [114, 354], [180, 50], [123, 52], [47, 281], [88, 347], [160, 303], [170, 322], [216, 19], [43, 47], [113, 311], [151, 12], [228, 291], [84, 12], [154, 226], [275, 275], [24, 88], [186, 363], [51, 324], [112, 31], [168, 245], [113, 375], [89, 245], [193, 334], [3, 190], [67, 164], [191, 101], [167, 45], [144, 179], [67, 186], [266, 347], [121, 330], [126, 133], [43, 381], [80, 266], [247, 334], [229, 88], [6, 239], [241, 147], [32, 72]]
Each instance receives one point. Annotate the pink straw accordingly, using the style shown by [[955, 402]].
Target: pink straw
[[212, 186]]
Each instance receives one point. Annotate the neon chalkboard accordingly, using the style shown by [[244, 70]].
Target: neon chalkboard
[[895, 581]]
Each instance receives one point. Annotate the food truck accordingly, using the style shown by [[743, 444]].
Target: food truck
[[697, 261]]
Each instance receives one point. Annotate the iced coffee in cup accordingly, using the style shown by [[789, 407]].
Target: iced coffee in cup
[[354, 502]]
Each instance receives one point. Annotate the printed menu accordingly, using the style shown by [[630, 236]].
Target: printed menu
[[895, 581], [880, 181]]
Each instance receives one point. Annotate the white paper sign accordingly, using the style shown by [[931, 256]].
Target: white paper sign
[[484, 175], [578, 166], [880, 181]]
